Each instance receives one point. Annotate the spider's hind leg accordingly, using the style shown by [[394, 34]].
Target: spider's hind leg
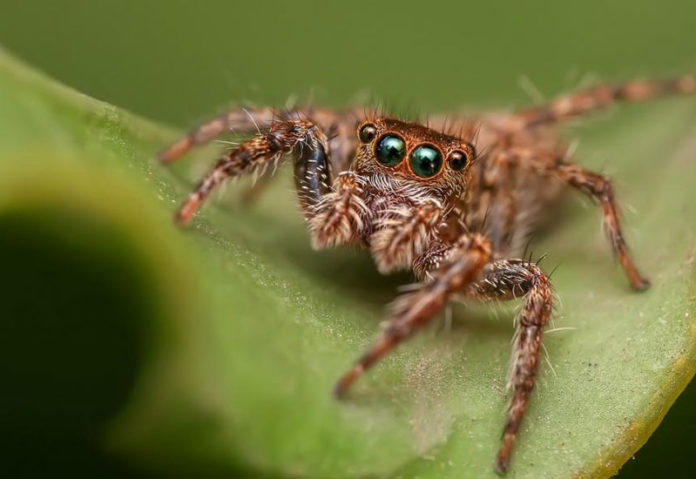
[[602, 97]]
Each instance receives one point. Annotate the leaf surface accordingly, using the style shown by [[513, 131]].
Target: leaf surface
[[237, 330]]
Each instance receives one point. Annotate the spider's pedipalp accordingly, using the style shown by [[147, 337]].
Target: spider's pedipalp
[[341, 215], [403, 233]]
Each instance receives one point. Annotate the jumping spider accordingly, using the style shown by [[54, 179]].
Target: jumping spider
[[455, 208]]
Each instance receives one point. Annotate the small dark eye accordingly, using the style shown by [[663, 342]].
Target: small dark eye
[[426, 161], [391, 149], [367, 133], [458, 160]]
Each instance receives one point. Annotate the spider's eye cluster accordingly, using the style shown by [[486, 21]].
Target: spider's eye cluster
[[390, 150], [425, 161]]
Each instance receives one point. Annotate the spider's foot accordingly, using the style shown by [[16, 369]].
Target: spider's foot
[[640, 284], [175, 150], [186, 212], [347, 380]]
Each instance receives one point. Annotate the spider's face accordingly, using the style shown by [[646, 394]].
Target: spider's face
[[401, 157]]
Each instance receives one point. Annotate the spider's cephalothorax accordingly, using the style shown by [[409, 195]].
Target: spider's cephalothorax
[[404, 181], [424, 200]]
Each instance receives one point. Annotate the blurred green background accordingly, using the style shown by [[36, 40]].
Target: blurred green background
[[179, 61]]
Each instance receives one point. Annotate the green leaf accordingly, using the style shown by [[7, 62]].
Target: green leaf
[[215, 349]]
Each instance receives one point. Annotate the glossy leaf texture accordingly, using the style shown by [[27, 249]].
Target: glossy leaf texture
[[215, 348]]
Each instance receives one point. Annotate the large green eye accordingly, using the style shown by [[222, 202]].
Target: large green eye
[[426, 161], [391, 150]]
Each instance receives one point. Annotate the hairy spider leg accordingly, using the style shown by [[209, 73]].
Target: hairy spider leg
[[600, 190], [601, 97], [238, 120], [411, 311], [302, 138], [506, 280]]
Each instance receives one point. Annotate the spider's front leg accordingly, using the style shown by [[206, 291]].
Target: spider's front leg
[[301, 138], [457, 267], [237, 120], [465, 269], [511, 279]]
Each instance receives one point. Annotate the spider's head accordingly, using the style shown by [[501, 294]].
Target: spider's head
[[408, 158]]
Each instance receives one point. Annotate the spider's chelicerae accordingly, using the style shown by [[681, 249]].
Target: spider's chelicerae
[[454, 206]]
